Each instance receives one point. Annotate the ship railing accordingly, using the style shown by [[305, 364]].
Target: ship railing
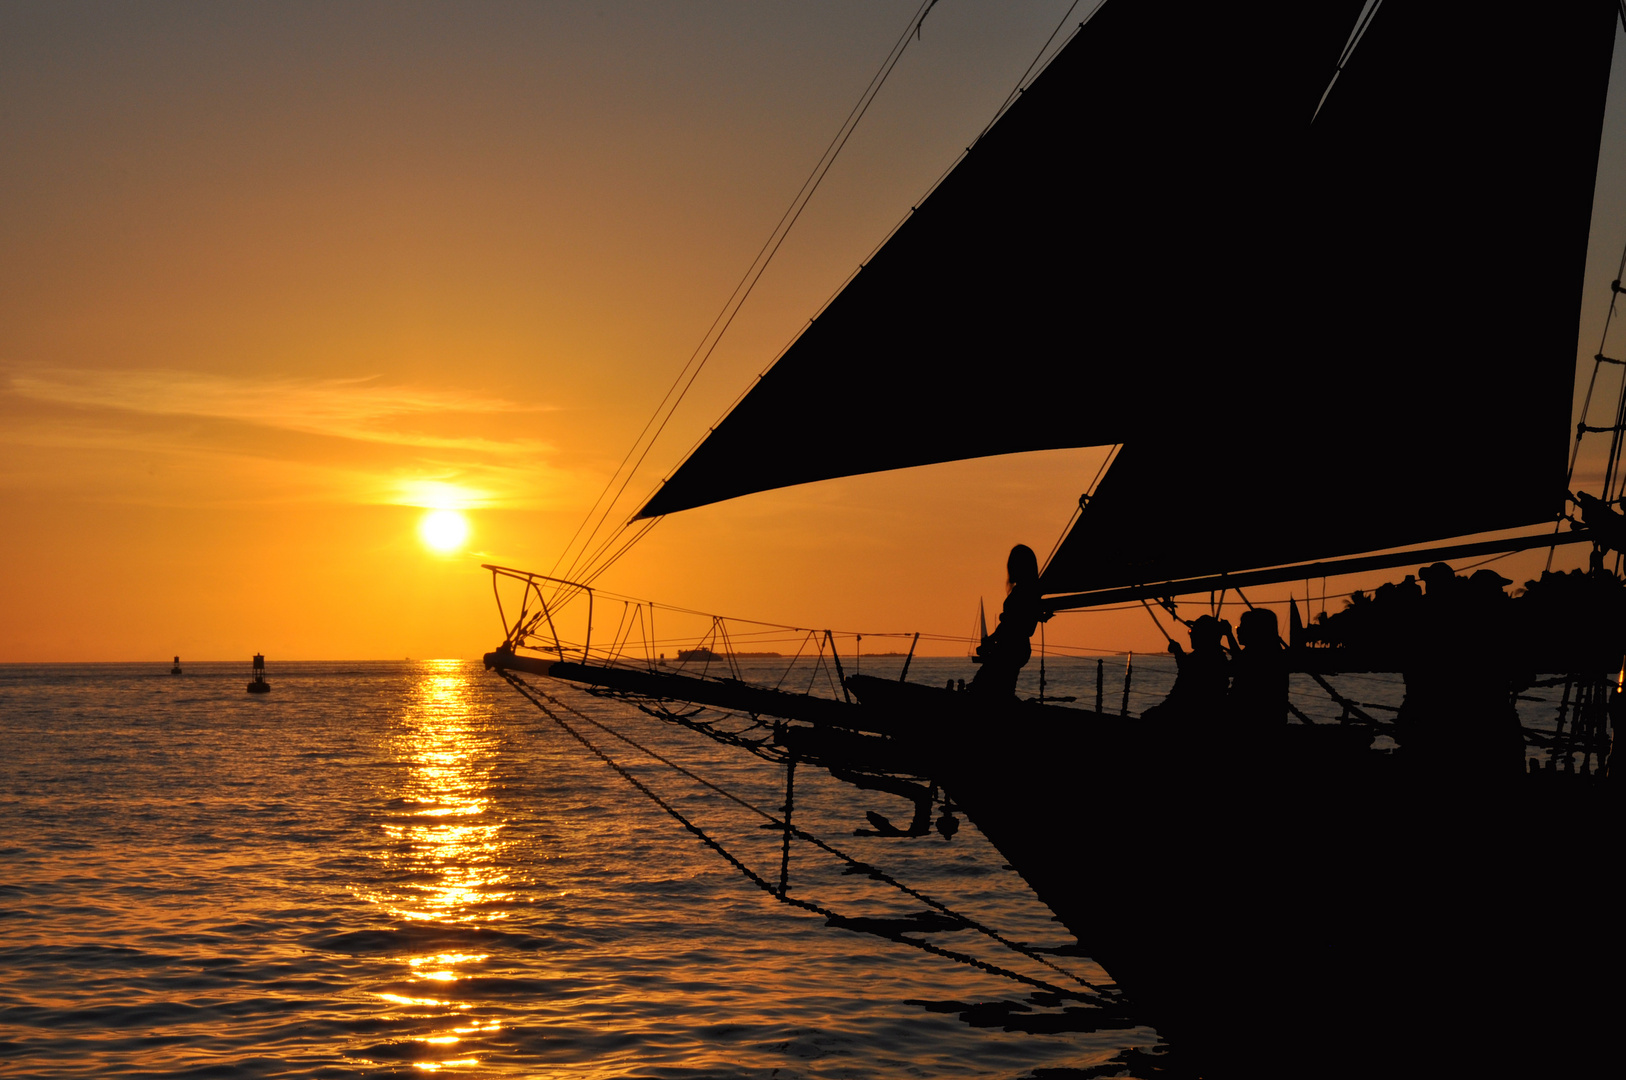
[[535, 613], [577, 623]]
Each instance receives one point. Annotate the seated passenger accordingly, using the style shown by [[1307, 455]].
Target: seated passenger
[[1200, 686], [1258, 672]]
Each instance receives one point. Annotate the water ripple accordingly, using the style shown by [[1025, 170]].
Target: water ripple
[[400, 869]]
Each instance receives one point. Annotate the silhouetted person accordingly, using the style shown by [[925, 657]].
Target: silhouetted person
[[1441, 583], [1432, 649], [1200, 686], [1409, 592], [1483, 730], [1458, 719], [1007, 649], [1258, 696]]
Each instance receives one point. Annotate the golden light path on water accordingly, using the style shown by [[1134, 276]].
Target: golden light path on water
[[447, 842], [400, 869]]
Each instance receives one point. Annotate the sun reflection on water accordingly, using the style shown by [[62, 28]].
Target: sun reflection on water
[[449, 832], [402, 999], [446, 853]]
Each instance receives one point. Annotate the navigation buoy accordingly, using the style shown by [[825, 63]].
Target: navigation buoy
[[257, 685], [176, 670]]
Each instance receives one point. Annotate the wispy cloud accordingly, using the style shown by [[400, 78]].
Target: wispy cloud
[[363, 409], [356, 440]]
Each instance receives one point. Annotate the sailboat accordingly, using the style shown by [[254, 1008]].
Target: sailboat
[[1198, 223]]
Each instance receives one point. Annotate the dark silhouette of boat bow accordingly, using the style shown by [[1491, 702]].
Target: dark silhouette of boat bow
[[1224, 214]]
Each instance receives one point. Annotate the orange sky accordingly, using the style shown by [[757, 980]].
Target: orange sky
[[278, 278]]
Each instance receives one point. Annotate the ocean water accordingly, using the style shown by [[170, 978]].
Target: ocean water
[[390, 869], [397, 868]]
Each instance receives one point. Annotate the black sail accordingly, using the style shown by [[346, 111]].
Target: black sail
[[1407, 375], [1036, 296], [1312, 339]]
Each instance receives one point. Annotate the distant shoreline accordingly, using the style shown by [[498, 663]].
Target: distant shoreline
[[687, 655]]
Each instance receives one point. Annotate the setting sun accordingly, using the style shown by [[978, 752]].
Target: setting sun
[[444, 530]]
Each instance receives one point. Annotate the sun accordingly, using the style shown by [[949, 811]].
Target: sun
[[444, 530]]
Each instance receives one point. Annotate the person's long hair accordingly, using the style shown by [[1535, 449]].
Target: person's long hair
[[1021, 567]]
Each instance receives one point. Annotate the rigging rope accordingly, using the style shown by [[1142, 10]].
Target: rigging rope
[[1586, 403], [1612, 472], [592, 567], [1016, 91], [1084, 499], [866, 868], [536, 698], [731, 308], [1362, 21], [1157, 624]]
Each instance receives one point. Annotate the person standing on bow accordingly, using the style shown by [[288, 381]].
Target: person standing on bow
[[1007, 649]]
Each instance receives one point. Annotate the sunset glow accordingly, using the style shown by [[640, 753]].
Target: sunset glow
[[857, 538], [444, 530], [311, 340]]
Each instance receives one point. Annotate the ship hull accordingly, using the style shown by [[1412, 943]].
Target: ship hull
[[1294, 904], [1290, 904]]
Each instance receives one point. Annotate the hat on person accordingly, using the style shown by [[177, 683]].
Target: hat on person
[[1205, 624], [1488, 577]]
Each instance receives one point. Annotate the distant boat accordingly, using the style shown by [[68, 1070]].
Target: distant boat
[[257, 685], [697, 655], [176, 670]]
